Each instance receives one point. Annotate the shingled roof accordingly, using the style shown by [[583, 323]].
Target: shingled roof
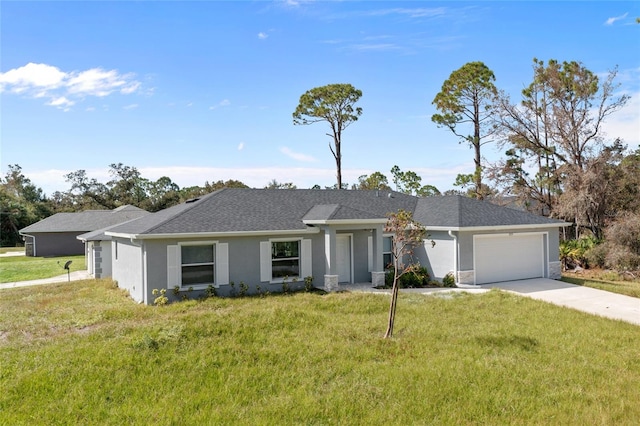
[[456, 212], [264, 210], [89, 220], [252, 210]]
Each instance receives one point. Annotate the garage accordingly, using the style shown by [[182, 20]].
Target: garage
[[507, 257]]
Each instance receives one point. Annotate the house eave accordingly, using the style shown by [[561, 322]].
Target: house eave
[[189, 235], [345, 222], [498, 227]]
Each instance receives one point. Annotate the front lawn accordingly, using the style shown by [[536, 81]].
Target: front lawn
[[83, 353], [604, 280], [24, 268]]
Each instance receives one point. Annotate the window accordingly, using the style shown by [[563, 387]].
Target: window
[[198, 265], [387, 258], [285, 259]]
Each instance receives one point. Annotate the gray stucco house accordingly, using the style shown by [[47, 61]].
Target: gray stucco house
[[261, 237], [57, 235]]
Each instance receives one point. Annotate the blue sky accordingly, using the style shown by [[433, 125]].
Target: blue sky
[[203, 91]]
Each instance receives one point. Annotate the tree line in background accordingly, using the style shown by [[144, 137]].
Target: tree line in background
[[23, 203], [557, 160]]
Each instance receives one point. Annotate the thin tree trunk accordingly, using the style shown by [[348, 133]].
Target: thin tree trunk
[[392, 308]]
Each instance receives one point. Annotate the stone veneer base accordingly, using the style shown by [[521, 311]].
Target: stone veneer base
[[555, 270], [465, 277], [377, 279], [330, 282]]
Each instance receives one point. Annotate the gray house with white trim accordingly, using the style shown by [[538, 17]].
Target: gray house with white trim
[[262, 237], [57, 235]]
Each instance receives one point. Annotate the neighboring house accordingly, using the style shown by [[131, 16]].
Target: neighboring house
[[56, 235], [263, 238]]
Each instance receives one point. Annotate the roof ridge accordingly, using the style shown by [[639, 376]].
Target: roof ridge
[[193, 205]]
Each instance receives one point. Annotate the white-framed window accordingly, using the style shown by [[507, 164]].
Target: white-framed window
[[387, 254], [198, 266], [285, 259]]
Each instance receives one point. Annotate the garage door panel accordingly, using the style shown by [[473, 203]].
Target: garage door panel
[[508, 257]]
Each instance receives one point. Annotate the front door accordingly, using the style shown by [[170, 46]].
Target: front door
[[343, 257]]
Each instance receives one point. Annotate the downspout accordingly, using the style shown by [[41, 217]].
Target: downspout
[[455, 255], [143, 270], [33, 239]]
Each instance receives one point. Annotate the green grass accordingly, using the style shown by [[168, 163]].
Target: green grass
[[628, 288], [23, 268], [83, 353]]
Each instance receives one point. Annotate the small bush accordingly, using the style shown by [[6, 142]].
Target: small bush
[[161, 298], [573, 252], [244, 289], [285, 285], [622, 259], [623, 243], [308, 283], [449, 280], [597, 256], [210, 291], [417, 278]]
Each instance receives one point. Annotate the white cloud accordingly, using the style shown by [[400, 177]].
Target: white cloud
[[296, 156], [132, 106], [611, 21], [222, 103], [64, 89], [61, 102], [374, 46], [262, 35], [241, 146], [100, 83], [295, 3], [420, 12], [32, 76]]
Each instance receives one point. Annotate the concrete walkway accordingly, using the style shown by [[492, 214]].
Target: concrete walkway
[[12, 253], [586, 299], [74, 276]]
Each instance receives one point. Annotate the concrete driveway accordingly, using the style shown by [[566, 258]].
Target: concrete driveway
[[586, 299]]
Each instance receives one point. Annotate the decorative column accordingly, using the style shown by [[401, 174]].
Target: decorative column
[[330, 262], [377, 271]]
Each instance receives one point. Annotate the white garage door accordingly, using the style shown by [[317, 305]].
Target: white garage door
[[508, 257]]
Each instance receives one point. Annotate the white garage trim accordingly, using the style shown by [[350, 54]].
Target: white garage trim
[[511, 256]]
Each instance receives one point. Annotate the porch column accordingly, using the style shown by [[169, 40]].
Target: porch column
[[377, 271], [330, 262]]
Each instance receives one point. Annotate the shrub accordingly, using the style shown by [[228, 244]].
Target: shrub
[[597, 256], [622, 247], [622, 259], [161, 298], [416, 278], [449, 280], [573, 252], [210, 291], [308, 283], [244, 289]]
